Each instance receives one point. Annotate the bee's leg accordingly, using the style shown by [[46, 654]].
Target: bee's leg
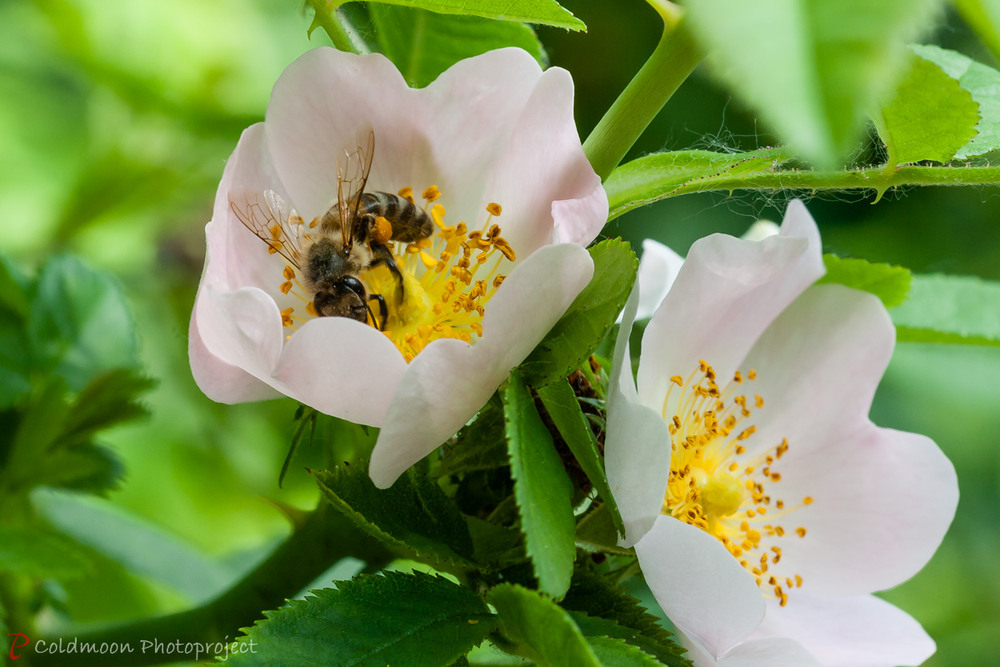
[[382, 309], [384, 256]]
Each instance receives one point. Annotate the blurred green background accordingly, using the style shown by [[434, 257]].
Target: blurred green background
[[116, 118]]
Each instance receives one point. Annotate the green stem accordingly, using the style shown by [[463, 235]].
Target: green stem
[[328, 17], [670, 64], [324, 537], [875, 179]]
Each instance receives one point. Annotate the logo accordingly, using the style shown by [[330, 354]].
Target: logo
[[20, 641]]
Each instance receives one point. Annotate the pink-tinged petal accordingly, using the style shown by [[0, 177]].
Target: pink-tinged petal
[[317, 112], [236, 257], [658, 268], [580, 220], [241, 328], [542, 286], [725, 296], [881, 497], [341, 367], [856, 631], [637, 460], [449, 381], [769, 652], [469, 138], [883, 500], [636, 442], [440, 391], [818, 366], [544, 162], [218, 380], [704, 591]]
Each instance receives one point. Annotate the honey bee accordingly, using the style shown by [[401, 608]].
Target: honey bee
[[350, 237]]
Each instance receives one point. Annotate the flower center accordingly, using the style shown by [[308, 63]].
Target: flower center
[[713, 484], [447, 279]]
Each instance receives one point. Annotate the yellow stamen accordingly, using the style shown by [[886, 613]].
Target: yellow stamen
[[710, 487], [431, 194], [447, 280]]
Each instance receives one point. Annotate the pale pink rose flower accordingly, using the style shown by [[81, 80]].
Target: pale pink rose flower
[[763, 504], [494, 129], [660, 265]]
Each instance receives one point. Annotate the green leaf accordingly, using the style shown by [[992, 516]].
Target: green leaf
[[811, 68], [391, 619], [31, 435], [660, 175], [14, 347], [545, 12], [542, 489], [80, 324], [478, 446], [643, 648], [619, 653], [139, 546], [40, 553], [414, 514], [950, 309], [983, 84], [14, 361], [597, 532], [110, 398], [497, 546], [602, 600], [588, 319], [88, 467], [562, 406], [14, 288], [540, 628], [889, 283], [53, 443], [930, 117], [424, 44]]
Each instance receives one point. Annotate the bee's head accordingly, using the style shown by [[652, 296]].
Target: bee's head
[[343, 297]]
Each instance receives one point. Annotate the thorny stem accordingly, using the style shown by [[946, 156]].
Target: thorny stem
[[875, 179]]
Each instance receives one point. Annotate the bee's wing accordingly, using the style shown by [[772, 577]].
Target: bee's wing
[[351, 179], [272, 220]]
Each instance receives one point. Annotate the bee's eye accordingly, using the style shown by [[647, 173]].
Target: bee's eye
[[353, 284]]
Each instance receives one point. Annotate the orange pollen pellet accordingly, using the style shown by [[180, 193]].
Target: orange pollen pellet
[[382, 231]]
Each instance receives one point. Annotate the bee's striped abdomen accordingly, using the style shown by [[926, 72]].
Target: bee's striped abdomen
[[409, 223]]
